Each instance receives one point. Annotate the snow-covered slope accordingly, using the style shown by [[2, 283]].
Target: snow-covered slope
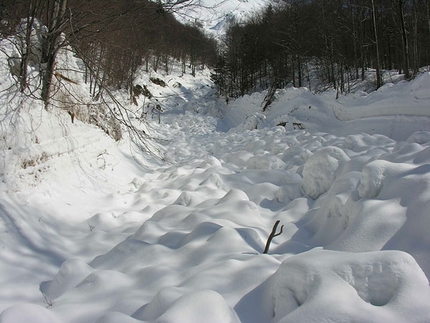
[[396, 110], [214, 15], [93, 231]]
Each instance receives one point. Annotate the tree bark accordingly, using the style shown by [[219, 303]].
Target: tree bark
[[51, 45], [375, 31], [404, 39]]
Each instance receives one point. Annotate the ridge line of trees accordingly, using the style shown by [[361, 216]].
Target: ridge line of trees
[[337, 40]]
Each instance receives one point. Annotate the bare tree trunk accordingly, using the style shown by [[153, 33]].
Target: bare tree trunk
[[56, 20], [166, 61], [26, 44], [26, 47], [375, 31], [293, 69], [428, 14], [404, 39], [416, 54], [299, 70]]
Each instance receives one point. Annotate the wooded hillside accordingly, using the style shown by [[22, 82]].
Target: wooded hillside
[[337, 39]]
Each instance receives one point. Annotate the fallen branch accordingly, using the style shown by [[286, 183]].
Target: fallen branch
[[65, 78], [272, 235]]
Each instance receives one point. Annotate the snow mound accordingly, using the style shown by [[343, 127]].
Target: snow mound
[[320, 169], [374, 176], [265, 162], [28, 313], [385, 286], [115, 317], [201, 306], [71, 273], [420, 137]]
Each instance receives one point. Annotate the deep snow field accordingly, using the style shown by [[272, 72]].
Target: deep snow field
[[92, 230]]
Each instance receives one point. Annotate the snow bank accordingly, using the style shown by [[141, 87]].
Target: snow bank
[[101, 234], [378, 174], [385, 286], [201, 306], [198, 256], [28, 313]]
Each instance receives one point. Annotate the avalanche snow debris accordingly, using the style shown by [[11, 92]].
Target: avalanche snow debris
[[100, 234]]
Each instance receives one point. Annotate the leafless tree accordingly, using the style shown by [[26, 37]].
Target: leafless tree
[[111, 39]]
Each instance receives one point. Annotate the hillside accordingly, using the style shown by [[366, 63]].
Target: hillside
[[214, 15], [94, 230]]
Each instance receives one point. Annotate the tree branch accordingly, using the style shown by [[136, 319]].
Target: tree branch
[[272, 235]]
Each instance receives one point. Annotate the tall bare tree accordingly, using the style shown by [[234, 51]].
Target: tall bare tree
[[53, 41]]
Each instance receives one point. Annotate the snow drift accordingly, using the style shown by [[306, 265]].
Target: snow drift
[[91, 231]]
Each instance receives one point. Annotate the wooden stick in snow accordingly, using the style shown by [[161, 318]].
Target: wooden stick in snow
[[272, 235]]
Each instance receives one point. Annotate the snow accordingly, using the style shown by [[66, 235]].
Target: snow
[[319, 171], [385, 286], [92, 230], [214, 15]]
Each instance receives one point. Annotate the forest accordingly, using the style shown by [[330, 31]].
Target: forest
[[334, 40], [112, 38], [290, 42]]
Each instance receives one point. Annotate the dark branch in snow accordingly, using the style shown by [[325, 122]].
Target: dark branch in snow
[[272, 235]]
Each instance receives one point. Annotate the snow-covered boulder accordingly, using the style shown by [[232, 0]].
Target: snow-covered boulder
[[320, 169]]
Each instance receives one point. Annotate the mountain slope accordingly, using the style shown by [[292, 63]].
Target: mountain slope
[[214, 15]]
